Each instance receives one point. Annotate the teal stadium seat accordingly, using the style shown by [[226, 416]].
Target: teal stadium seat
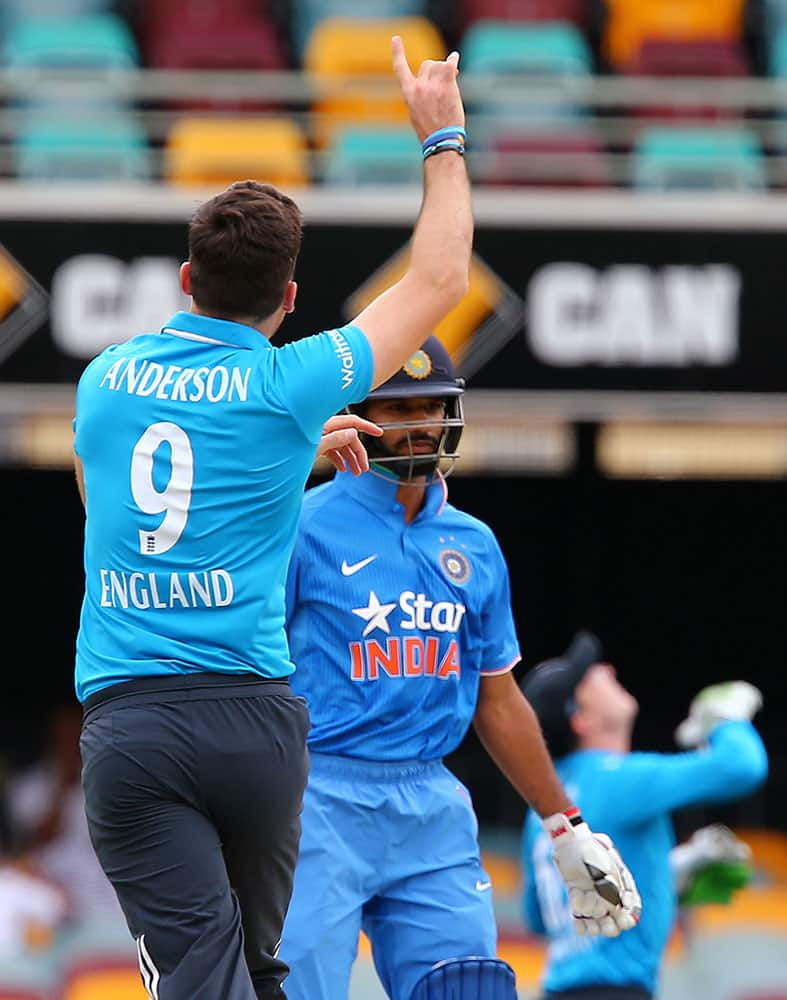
[[100, 41], [306, 14], [698, 158], [775, 12], [518, 49], [12, 11], [373, 156], [777, 50], [84, 148]]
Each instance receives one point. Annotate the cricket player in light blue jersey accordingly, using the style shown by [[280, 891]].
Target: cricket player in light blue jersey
[[193, 445], [400, 626], [587, 717]]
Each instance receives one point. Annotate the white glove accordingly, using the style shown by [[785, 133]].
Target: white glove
[[717, 703], [601, 890], [708, 845]]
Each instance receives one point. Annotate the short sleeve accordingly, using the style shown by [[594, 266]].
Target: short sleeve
[[500, 643], [318, 376]]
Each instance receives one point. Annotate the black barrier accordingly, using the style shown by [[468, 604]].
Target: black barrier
[[561, 309]]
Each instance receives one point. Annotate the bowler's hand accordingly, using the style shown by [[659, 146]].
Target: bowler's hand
[[341, 445], [432, 97]]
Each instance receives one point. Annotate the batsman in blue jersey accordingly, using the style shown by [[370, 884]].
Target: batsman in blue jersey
[[193, 445], [400, 626], [587, 717]]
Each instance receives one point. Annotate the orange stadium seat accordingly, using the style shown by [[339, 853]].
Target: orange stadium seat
[[102, 979], [346, 48], [217, 150], [629, 22]]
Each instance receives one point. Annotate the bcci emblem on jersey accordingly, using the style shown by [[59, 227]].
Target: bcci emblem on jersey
[[456, 565], [23, 304]]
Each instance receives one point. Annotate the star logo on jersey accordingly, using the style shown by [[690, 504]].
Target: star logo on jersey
[[375, 614], [23, 304]]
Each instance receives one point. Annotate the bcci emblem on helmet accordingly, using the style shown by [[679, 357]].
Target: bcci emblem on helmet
[[427, 374], [23, 304]]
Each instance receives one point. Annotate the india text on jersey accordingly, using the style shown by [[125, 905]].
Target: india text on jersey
[[407, 656]]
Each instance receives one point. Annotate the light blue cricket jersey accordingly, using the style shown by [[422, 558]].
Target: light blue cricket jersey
[[196, 444], [630, 797], [391, 625]]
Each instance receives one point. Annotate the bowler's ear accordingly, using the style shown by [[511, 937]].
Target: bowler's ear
[[290, 294], [185, 277], [578, 723]]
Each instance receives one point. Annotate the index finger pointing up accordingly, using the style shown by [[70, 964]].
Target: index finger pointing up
[[400, 64]]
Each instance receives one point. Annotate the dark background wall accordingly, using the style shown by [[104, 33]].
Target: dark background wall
[[682, 581]]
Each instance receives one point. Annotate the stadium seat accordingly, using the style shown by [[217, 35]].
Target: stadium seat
[[305, 15], [556, 49], [690, 57], [777, 52], [775, 12], [546, 159], [575, 11], [340, 47], [374, 156], [103, 978], [90, 41], [84, 147], [698, 158], [700, 57], [12, 11], [547, 48], [215, 151], [628, 22], [217, 40]]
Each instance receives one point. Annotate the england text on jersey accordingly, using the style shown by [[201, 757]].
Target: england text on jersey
[[141, 377], [147, 591]]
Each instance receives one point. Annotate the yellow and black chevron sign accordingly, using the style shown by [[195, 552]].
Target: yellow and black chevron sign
[[474, 331], [23, 304]]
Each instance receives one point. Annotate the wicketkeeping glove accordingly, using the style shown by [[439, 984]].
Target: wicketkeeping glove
[[601, 890], [717, 703], [711, 866]]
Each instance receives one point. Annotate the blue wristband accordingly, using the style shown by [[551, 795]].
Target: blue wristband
[[452, 132], [441, 147]]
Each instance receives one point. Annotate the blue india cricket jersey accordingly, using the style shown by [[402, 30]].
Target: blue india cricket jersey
[[631, 797], [196, 444], [391, 625]]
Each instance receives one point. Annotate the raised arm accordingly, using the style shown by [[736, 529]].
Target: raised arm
[[398, 321]]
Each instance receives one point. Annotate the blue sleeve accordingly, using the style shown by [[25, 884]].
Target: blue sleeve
[[732, 766], [531, 910], [318, 376], [501, 647]]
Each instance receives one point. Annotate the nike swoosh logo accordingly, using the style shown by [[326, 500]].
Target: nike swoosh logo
[[482, 886], [348, 570]]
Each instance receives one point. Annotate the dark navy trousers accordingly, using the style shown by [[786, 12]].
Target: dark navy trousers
[[194, 788]]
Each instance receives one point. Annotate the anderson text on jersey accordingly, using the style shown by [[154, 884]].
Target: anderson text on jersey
[[142, 377]]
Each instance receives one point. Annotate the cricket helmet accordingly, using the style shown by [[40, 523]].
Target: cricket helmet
[[428, 372]]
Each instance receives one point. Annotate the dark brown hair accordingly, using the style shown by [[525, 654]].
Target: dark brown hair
[[243, 245]]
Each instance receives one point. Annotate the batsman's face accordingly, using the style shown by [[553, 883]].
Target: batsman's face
[[603, 701], [425, 413]]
